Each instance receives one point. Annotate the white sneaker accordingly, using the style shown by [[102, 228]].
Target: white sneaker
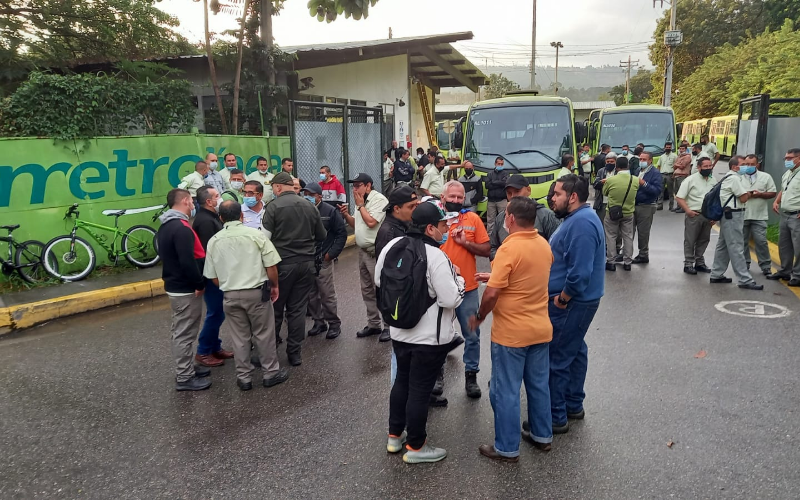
[[395, 444], [427, 453]]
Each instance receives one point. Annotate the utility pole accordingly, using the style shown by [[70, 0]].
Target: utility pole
[[628, 65], [672, 39], [533, 48], [266, 39], [557, 45]]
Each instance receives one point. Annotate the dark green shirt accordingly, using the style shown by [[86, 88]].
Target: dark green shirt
[[296, 227]]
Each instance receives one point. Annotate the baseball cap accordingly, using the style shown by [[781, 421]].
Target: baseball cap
[[400, 196], [362, 178], [517, 181], [313, 187], [283, 178], [427, 213]]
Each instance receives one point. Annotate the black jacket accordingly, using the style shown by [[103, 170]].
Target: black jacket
[[334, 225], [473, 190], [403, 171], [296, 227], [206, 224], [181, 255], [496, 185], [390, 229], [599, 162]]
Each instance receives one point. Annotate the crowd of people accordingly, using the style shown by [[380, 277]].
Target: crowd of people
[[261, 248]]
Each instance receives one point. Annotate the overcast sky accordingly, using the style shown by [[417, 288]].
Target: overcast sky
[[593, 32]]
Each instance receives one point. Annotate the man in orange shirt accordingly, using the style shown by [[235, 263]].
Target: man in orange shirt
[[516, 294], [466, 239]]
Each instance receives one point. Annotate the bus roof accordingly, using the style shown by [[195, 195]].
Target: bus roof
[[726, 117], [521, 99], [636, 108]]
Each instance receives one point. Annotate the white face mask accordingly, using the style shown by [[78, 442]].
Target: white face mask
[[237, 185], [213, 165], [219, 202], [505, 226]]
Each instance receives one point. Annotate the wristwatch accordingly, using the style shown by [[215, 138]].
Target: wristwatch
[[561, 300], [478, 316]]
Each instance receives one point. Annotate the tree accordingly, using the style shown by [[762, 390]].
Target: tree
[[329, 10], [213, 70], [498, 86], [641, 85], [65, 33]]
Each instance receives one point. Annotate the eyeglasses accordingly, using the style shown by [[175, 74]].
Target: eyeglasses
[[249, 193], [357, 185]]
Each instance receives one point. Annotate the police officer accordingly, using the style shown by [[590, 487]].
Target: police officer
[[322, 301], [295, 227]]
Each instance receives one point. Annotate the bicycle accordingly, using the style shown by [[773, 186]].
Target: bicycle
[[72, 258], [26, 261]]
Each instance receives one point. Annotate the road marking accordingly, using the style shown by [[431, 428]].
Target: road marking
[[753, 309]]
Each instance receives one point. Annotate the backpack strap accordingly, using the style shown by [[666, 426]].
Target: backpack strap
[[439, 323], [630, 181]]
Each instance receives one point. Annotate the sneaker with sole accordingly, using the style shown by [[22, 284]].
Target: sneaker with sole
[[279, 378], [194, 384], [426, 454], [395, 443]]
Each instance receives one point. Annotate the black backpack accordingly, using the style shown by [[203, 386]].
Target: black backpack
[[712, 208], [403, 297]]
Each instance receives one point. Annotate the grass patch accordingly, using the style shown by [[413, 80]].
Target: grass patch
[[13, 283], [772, 233]]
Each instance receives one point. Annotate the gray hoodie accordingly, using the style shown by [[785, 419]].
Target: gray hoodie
[[172, 214]]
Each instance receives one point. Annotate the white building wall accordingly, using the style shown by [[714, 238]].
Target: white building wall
[[376, 81], [419, 136]]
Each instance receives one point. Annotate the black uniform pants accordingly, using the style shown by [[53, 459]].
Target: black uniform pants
[[295, 282]]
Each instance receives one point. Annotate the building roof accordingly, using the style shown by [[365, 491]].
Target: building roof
[[593, 105], [452, 108], [433, 61]]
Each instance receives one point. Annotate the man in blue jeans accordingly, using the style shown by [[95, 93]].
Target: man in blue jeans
[[576, 286], [516, 295], [206, 224]]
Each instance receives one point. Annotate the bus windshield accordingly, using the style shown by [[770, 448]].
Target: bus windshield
[[651, 129], [532, 138]]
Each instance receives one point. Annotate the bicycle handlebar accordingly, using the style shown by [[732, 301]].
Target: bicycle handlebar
[[72, 210]]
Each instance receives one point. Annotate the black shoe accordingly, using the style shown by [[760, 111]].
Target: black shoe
[[471, 385], [751, 286], [702, 268], [641, 260], [679, 211], [626, 267], [385, 337], [255, 360], [317, 329], [619, 258], [766, 272], [244, 386], [438, 387], [437, 401], [201, 371], [576, 416], [193, 384], [672, 209], [721, 279], [611, 266], [526, 435], [333, 332], [367, 331], [281, 377], [295, 359], [689, 270], [778, 276], [561, 429], [794, 282]]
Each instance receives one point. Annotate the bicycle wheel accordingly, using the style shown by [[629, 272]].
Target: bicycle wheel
[[139, 245], [28, 260], [66, 261]]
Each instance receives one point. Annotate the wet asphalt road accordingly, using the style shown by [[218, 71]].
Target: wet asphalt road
[[88, 410]]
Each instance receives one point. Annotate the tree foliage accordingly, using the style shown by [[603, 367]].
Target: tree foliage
[[708, 25], [64, 33], [641, 86], [329, 10], [756, 66], [140, 97], [498, 86]]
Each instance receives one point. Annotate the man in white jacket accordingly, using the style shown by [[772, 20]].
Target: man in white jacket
[[421, 350]]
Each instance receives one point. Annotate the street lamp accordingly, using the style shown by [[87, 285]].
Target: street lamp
[[557, 45]]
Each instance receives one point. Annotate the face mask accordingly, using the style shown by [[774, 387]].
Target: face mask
[[611, 166], [311, 199], [219, 202], [419, 157], [250, 201], [453, 207], [213, 165], [705, 173], [695, 153], [667, 151], [322, 177], [748, 170], [789, 164], [192, 213], [444, 237], [263, 172], [468, 172], [237, 185], [703, 142], [499, 168], [625, 152], [231, 168]]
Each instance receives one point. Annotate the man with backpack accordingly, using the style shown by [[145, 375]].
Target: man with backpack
[[418, 293], [697, 228], [732, 197], [621, 191]]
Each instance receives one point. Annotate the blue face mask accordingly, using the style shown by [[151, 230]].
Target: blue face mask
[[311, 199], [789, 164], [322, 177], [250, 201], [193, 213], [747, 170], [444, 238], [499, 168]]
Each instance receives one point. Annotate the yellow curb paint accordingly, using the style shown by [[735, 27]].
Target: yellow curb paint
[[34, 313]]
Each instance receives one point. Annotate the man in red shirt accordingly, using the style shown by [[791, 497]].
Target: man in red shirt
[[466, 239], [332, 189]]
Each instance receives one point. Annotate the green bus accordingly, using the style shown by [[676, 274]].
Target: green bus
[[722, 133], [694, 129], [630, 124], [530, 132]]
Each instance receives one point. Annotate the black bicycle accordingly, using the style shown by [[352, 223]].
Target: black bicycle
[[25, 258]]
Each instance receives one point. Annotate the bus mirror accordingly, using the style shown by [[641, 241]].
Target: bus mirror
[[458, 136], [580, 132], [593, 131]]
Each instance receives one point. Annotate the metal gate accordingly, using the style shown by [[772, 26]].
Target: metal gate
[[345, 138]]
